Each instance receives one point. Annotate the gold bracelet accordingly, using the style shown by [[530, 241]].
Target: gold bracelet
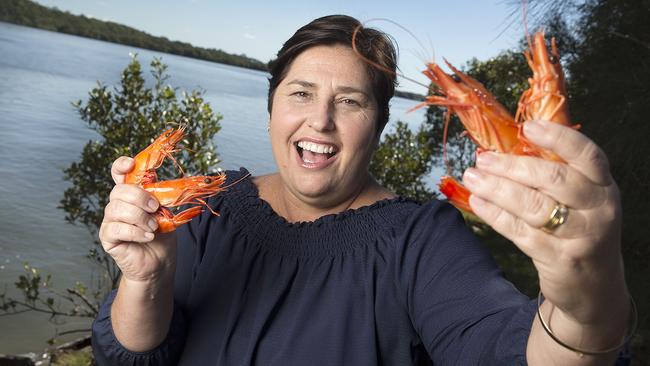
[[581, 352]]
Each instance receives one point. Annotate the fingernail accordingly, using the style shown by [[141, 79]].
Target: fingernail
[[485, 159], [148, 236], [472, 176], [153, 204], [153, 225], [533, 129]]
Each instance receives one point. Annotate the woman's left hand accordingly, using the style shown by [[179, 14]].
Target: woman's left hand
[[580, 261]]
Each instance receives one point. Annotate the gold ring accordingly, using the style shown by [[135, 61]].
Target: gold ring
[[556, 218]]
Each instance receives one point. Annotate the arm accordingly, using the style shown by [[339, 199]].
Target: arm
[[463, 310], [142, 311], [135, 324], [579, 262]]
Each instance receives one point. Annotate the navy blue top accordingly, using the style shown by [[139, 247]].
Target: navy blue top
[[395, 283]]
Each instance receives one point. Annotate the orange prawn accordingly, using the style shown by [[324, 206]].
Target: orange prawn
[[477, 108], [186, 191], [183, 191], [151, 158], [176, 192]]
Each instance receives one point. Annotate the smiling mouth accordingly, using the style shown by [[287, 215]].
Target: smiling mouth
[[313, 153]]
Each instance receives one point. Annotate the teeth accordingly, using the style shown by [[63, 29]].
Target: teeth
[[317, 148]]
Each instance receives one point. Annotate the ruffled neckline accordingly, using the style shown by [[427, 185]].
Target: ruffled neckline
[[329, 234]]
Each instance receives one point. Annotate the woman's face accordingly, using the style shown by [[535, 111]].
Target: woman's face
[[323, 125]]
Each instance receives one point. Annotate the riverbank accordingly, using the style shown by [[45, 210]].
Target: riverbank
[[31, 14], [77, 352]]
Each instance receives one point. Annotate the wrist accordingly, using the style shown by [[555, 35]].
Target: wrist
[[605, 336], [150, 288]]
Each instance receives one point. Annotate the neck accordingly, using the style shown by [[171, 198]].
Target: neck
[[297, 209]]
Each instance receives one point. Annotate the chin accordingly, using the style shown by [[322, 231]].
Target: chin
[[313, 189]]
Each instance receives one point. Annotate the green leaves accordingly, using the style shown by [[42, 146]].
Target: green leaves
[[127, 119], [402, 160]]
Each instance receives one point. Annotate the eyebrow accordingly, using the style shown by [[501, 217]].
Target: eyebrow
[[343, 89]]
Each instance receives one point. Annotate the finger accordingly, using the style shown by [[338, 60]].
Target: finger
[[134, 195], [115, 233], [560, 181], [525, 203], [120, 167], [533, 242], [575, 148], [120, 211]]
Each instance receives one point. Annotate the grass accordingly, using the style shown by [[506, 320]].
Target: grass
[[82, 357]]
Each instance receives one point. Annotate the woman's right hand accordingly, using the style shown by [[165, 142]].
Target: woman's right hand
[[127, 231]]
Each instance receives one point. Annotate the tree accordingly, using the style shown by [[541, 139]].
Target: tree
[[610, 97], [607, 60], [127, 119], [402, 161]]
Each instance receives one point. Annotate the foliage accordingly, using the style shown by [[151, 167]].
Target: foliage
[[610, 97], [127, 119], [40, 296], [31, 14], [610, 94], [605, 48], [403, 160], [81, 357]]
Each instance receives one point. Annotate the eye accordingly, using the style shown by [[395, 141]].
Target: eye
[[552, 59], [301, 94], [207, 180], [350, 102], [456, 78], [168, 134]]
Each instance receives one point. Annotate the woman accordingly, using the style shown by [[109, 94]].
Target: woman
[[319, 264]]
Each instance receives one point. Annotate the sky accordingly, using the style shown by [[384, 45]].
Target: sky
[[457, 30]]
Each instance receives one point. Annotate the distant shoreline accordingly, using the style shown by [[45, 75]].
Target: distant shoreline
[[31, 14]]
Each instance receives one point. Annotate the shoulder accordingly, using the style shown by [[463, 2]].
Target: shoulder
[[434, 219], [436, 233]]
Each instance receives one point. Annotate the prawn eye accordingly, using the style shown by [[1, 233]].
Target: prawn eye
[[552, 59], [207, 180], [456, 78], [168, 134]]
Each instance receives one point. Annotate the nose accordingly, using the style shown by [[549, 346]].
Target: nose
[[322, 117]]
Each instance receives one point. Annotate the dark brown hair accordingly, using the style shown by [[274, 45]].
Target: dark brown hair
[[339, 29]]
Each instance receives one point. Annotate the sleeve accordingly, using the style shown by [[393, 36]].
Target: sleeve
[[107, 350], [462, 308]]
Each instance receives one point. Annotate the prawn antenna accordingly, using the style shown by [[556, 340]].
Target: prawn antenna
[[375, 64], [527, 34], [237, 181]]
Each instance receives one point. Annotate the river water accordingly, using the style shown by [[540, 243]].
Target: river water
[[41, 73]]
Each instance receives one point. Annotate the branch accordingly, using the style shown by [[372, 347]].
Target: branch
[[630, 38], [30, 307], [15, 312], [84, 299]]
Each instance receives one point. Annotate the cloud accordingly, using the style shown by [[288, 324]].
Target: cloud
[[249, 36]]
